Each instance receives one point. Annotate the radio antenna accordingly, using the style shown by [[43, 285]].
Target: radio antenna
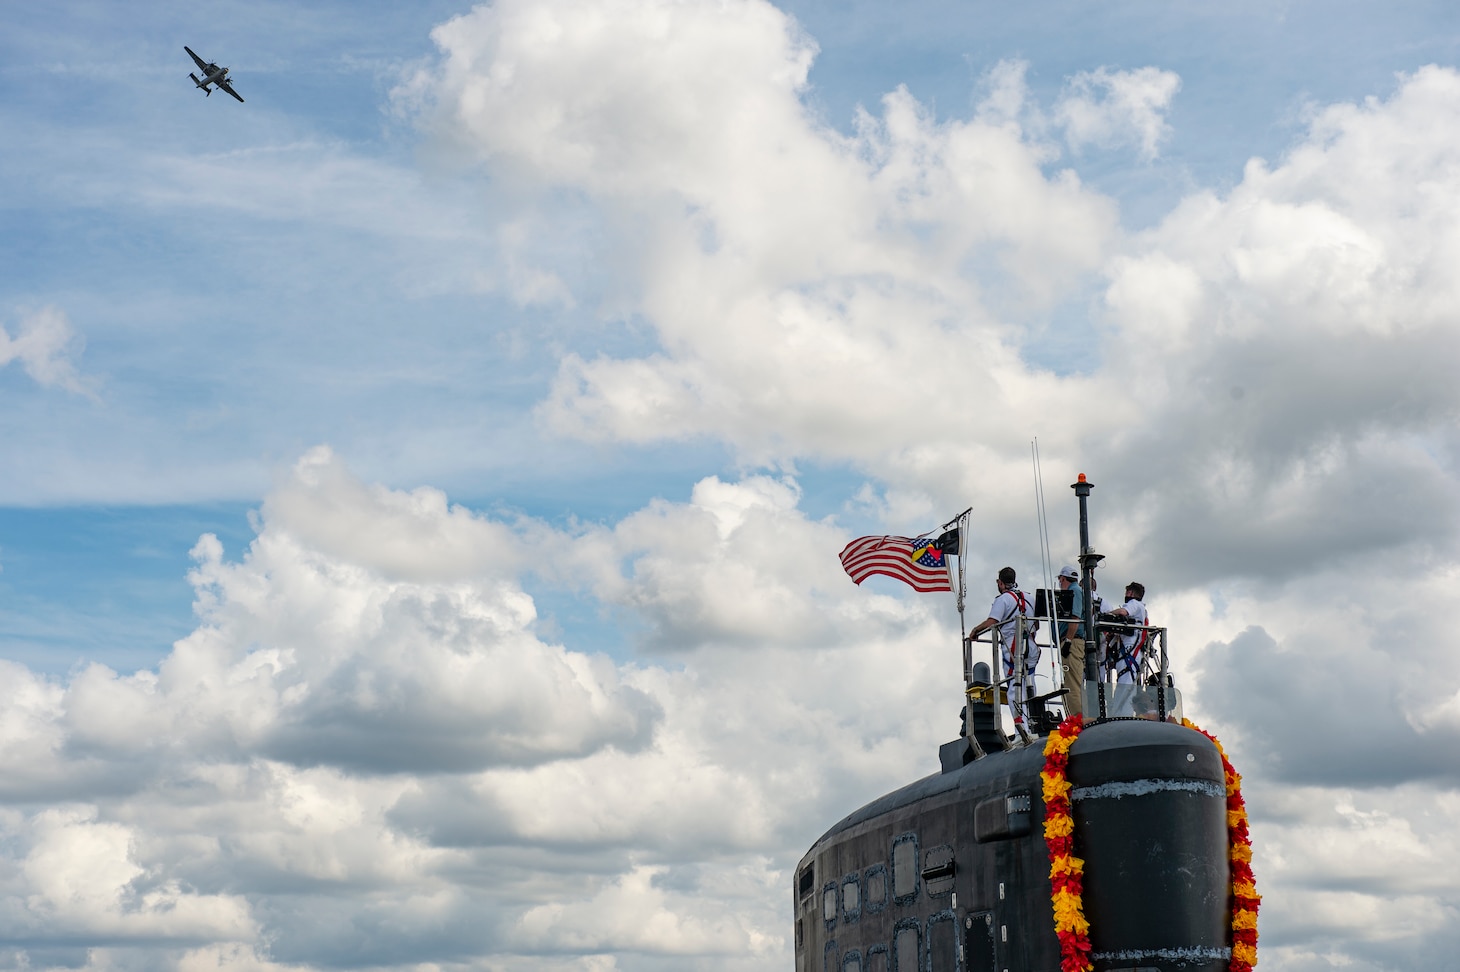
[[1046, 562]]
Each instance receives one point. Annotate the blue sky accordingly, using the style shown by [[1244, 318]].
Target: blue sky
[[224, 340], [572, 340]]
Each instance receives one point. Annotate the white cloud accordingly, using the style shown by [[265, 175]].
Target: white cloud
[[802, 283], [1261, 362], [80, 880], [44, 344], [547, 88], [314, 649], [228, 958], [1286, 344], [779, 695], [738, 564], [633, 914], [331, 655], [401, 536], [1105, 107], [1270, 409], [367, 751], [352, 741]]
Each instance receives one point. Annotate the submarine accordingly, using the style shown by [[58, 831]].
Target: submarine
[[1113, 841]]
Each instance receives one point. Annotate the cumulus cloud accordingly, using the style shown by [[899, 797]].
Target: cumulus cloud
[[1105, 108], [692, 569], [275, 794], [1339, 690], [784, 265], [1264, 399], [348, 662], [546, 88], [83, 882], [335, 641], [871, 298], [1287, 342], [414, 535], [363, 747], [1359, 873], [369, 753], [1254, 342], [634, 914]]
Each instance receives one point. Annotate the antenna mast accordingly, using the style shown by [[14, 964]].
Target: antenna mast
[[1089, 559]]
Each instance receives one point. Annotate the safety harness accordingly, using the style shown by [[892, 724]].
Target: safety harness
[[1130, 657], [1031, 625]]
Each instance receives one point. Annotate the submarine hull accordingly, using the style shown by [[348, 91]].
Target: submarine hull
[[951, 873]]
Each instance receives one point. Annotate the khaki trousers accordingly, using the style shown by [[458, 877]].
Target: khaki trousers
[[1073, 667]]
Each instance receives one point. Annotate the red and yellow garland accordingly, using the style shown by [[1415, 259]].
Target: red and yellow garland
[[1245, 899], [1066, 871]]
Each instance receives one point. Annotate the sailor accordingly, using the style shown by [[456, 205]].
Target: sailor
[[1008, 607], [1072, 643], [1127, 664]]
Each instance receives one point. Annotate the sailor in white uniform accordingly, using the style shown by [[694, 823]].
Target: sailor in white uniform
[[1008, 607], [1131, 643]]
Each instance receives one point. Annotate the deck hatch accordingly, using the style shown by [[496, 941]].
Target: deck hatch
[[851, 897], [905, 868], [876, 882], [907, 946], [938, 869], [978, 942], [943, 942]]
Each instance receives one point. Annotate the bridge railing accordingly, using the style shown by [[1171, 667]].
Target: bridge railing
[[1149, 693]]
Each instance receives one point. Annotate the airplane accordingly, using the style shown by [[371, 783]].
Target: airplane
[[212, 74]]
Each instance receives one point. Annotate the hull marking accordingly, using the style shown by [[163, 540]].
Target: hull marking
[[1137, 788]]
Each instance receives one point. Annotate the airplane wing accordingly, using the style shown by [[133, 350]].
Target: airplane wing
[[202, 64], [223, 83]]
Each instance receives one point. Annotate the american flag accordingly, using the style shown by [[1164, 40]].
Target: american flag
[[918, 563]]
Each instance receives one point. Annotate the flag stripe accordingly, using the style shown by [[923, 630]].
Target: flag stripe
[[894, 557]]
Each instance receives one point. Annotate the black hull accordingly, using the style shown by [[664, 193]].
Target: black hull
[[951, 873]]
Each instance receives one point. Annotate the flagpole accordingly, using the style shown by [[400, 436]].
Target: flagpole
[[961, 592]]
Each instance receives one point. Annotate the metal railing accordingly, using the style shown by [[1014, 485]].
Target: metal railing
[[1151, 677], [1152, 670], [998, 691]]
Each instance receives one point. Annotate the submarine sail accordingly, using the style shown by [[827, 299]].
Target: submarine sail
[[952, 873]]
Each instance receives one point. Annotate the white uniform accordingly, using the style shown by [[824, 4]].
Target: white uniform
[[1132, 643], [1006, 610]]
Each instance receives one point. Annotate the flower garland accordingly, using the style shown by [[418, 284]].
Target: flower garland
[[1245, 899], [1066, 871]]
